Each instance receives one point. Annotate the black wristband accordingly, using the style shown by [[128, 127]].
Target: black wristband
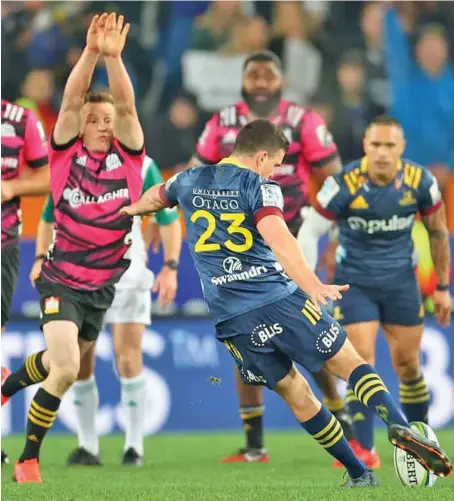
[[172, 264], [442, 287], [39, 257]]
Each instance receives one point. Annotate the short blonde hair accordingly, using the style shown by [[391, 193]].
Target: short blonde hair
[[99, 96]]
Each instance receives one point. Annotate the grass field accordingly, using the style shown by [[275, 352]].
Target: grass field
[[187, 468]]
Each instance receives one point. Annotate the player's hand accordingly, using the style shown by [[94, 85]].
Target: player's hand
[[7, 191], [320, 293], [166, 286], [95, 31], [443, 307], [328, 261], [36, 271], [113, 38], [136, 209]]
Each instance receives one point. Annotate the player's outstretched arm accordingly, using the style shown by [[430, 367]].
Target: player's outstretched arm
[[436, 226], [127, 127], [314, 226], [149, 203], [288, 252], [77, 85]]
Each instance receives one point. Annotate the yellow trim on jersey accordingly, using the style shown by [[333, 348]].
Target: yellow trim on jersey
[[364, 165], [412, 176], [232, 161], [354, 180]]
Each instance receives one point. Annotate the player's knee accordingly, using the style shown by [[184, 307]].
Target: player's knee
[[63, 376], [295, 390], [129, 363], [407, 368]]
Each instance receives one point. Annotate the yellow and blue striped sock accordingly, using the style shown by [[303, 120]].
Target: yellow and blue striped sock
[[326, 429], [363, 420], [371, 391], [414, 399]]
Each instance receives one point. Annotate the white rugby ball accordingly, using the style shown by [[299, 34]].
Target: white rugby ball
[[408, 470]]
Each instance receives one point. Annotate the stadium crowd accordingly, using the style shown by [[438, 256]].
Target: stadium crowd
[[349, 60]]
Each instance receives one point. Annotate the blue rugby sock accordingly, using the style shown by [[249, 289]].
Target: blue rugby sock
[[363, 420], [326, 429], [414, 399], [370, 390]]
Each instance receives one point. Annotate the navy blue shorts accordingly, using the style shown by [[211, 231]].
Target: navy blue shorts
[[266, 341], [397, 304]]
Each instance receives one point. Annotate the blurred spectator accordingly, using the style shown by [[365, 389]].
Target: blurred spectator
[[423, 94], [323, 108], [171, 139], [212, 29], [37, 94], [47, 45], [377, 84], [351, 112], [214, 76], [249, 34], [15, 35], [302, 62]]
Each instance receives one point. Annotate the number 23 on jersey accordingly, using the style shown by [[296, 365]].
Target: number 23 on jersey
[[234, 228]]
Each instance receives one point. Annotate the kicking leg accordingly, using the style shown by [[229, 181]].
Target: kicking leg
[[333, 401], [370, 389], [128, 352], [64, 360], [84, 393], [318, 421], [404, 346]]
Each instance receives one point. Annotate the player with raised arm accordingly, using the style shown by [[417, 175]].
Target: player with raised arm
[[312, 152], [96, 155], [375, 202], [128, 315], [23, 145], [265, 300]]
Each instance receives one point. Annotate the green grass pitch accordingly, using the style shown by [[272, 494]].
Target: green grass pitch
[[187, 468]]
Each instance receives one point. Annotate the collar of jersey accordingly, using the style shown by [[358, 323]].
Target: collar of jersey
[[230, 161], [364, 167]]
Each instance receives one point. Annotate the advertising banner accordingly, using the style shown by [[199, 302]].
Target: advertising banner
[[190, 381]]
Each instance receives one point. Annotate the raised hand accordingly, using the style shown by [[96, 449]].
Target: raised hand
[[95, 31], [113, 38]]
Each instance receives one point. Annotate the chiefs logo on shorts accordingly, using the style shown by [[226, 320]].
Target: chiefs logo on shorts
[[51, 305]]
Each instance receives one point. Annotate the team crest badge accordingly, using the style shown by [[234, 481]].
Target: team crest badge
[[51, 305], [407, 198]]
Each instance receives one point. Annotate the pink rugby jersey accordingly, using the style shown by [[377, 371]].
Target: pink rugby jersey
[[23, 143], [91, 242], [311, 146]]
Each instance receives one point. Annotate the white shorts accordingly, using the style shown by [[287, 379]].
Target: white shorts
[[130, 306]]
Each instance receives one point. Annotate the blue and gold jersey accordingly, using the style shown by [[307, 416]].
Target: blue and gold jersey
[[375, 222], [221, 205]]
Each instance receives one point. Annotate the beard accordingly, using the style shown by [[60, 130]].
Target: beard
[[262, 108]]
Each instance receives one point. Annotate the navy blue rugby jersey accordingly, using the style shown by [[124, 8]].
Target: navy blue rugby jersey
[[375, 222], [222, 205]]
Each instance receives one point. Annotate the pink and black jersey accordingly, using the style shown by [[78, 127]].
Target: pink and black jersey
[[311, 146], [90, 249], [23, 144]]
